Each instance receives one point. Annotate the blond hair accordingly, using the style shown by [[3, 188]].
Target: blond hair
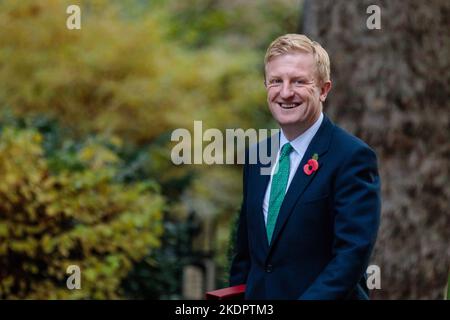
[[293, 42]]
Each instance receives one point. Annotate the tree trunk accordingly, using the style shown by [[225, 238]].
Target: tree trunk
[[391, 89]]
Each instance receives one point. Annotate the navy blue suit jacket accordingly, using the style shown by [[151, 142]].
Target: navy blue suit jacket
[[326, 228]]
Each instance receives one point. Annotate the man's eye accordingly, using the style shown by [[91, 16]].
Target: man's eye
[[299, 82], [275, 81]]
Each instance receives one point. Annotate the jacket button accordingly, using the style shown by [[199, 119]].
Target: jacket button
[[269, 268]]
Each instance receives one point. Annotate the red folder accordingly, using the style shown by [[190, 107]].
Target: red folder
[[230, 293]]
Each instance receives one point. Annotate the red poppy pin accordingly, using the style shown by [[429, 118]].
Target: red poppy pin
[[312, 165]]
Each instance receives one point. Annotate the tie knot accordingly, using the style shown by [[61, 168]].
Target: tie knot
[[286, 150]]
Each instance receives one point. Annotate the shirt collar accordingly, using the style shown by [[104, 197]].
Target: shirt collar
[[301, 143]]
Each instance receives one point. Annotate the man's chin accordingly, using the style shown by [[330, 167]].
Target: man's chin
[[290, 123], [289, 120]]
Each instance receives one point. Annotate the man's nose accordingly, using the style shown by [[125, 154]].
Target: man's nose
[[286, 91]]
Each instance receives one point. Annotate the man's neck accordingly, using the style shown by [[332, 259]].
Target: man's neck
[[291, 132]]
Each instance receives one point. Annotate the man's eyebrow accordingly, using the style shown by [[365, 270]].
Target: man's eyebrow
[[301, 76], [293, 76], [272, 78]]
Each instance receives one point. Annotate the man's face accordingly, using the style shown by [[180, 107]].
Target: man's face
[[293, 94]]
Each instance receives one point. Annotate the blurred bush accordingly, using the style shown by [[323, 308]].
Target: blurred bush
[[51, 218], [249, 24], [136, 71], [118, 75], [160, 274]]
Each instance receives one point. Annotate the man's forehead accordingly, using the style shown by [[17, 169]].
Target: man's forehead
[[296, 64], [292, 73], [305, 57]]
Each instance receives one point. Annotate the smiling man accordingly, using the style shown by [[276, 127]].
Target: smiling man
[[307, 230]]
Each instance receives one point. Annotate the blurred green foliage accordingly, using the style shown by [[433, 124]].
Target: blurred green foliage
[[238, 24], [159, 275], [50, 219], [119, 76], [114, 91]]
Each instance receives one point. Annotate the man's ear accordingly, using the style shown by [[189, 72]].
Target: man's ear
[[324, 89]]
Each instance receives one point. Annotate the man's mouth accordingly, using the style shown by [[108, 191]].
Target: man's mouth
[[288, 105]]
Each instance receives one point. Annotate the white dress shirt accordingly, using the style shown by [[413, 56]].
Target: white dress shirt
[[299, 144]]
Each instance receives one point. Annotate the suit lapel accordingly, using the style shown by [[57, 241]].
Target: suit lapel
[[300, 181], [260, 185], [260, 190]]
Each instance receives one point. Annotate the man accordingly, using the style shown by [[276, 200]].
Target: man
[[307, 230]]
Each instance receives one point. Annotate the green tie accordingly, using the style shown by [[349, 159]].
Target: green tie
[[278, 189]]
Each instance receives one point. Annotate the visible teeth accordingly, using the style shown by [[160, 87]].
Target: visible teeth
[[288, 105]]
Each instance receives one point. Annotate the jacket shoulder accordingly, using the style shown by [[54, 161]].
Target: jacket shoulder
[[343, 140]]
